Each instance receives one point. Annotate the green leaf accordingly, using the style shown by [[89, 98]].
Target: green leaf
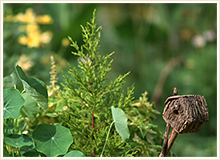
[[30, 108], [11, 81], [36, 88], [13, 101], [52, 140], [74, 153], [18, 140], [120, 120], [29, 151]]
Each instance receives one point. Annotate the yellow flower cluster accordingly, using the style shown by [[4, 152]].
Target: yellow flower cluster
[[33, 36]]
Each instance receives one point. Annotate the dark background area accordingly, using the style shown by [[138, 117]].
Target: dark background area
[[162, 45]]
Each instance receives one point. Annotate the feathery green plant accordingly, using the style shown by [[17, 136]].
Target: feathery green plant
[[89, 98]]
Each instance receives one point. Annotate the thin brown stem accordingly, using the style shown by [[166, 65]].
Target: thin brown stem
[[171, 140], [165, 141], [168, 142]]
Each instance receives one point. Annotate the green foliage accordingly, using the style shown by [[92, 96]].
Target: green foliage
[[27, 111], [74, 153], [22, 114], [145, 37], [29, 151], [89, 98], [35, 87], [13, 101], [89, 95], [84, 106], [52, 140], [17, 140], [146, 137], [120, 120]]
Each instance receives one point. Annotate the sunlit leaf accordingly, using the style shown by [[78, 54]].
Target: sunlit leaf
[[121, 126], [11, 81], [13, 101], [36, 88], [30, 108]]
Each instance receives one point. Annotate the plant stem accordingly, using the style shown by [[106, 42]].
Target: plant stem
[[6, 131], [171, 140], [16, 128], [107, 138], [165, 142], [22, 92]]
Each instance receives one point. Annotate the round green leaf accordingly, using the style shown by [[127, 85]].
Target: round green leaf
[[36, 88], [17, 140], [52, 140], [13, 101], [30, 108], [120, 119], [74, 153]]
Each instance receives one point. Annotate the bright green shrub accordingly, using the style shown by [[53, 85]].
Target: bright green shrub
[[89, 95]]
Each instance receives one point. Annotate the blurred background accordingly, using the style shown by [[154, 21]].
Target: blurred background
[[162, 45]]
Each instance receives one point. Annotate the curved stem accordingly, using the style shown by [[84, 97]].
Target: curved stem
[[107, 138]]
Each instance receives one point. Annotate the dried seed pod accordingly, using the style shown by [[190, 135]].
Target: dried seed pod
[[186, 113]]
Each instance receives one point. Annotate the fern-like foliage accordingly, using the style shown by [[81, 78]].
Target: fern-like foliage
[[89, 95]]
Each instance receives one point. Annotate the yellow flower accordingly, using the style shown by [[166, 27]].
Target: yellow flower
[[33, 39], [28, 17], [34, 36], [22, 40], [32, 28], [45, 19]]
